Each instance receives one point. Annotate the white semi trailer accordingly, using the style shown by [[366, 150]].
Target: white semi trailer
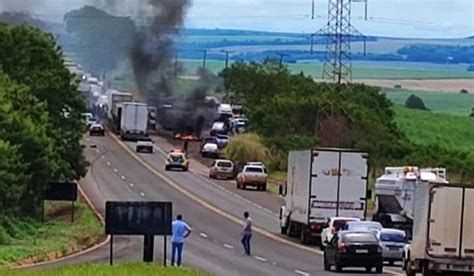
[[443, 231]]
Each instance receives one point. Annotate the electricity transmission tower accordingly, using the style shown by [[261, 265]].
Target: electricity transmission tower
[[339, 32]]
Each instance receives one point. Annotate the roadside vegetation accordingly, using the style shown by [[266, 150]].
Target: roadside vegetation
[[125, 269], [40, 134], [28, 240], [290, 112]]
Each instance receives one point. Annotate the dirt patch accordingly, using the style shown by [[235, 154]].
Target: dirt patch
[[439, 85]]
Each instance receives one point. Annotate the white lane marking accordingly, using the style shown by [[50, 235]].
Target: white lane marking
[[228, 246], [204, 235], [274, 263], [123, 177], [87, 139], [97, 150], [262, 259], [115, 170], [302, 272], [131, 184], [108, 163], [142, 194], [103, 157]]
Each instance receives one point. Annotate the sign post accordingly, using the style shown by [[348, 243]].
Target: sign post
[[65, 191], [149, 219]]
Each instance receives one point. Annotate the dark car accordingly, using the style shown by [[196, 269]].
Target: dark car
[[96, 129], [354, 249]]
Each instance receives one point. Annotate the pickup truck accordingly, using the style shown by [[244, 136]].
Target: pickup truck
[[252, 176]]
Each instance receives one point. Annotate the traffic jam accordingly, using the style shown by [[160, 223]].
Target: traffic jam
[[327, 200]]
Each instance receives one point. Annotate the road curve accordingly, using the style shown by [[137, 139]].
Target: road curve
[[116, 174]]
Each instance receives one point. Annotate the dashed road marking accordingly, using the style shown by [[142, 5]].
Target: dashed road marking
[[228, 246], [215, 209], [131, 184], [262, 259], [115, 170], [142, 194], [108, 163], [123, 177], [274, 263], [97, 150], [204, 235], [103, 157], [302, 272], [87, 139]]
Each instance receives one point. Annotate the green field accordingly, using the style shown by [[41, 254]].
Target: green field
[[362, 72], [453, 103], [128, 269], [57, 234], [428, 128]]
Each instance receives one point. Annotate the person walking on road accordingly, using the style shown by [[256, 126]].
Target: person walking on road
[[247, 233], [180, 231]]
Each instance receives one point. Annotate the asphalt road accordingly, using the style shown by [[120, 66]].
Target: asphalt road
[[118, 174]]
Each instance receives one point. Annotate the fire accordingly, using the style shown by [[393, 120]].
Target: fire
[[189, 137]]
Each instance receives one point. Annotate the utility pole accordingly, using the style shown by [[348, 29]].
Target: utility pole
[[227, 52], [339, 32], [204, 59], [176, 64], [281, 57], [312, 9]]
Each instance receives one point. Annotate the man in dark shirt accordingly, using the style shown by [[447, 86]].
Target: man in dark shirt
[[247, 233]]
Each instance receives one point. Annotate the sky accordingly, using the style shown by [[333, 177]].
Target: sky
[[396, 18]]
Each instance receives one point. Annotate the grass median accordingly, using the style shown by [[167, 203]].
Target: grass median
[[26, 241], [126, 269]]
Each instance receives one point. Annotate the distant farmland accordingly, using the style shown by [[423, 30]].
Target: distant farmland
[[378, 70]]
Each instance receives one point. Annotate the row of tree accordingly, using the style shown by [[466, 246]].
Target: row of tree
[[292, 111], [40, 120]]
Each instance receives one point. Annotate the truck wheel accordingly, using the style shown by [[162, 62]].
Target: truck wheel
[[379, 269], [368, 269], [338, 267], [237, 185], [167, 168], [264, 187]]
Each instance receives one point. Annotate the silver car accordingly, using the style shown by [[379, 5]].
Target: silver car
[[393, 242]]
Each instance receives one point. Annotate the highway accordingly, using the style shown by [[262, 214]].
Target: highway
[[117, 173]]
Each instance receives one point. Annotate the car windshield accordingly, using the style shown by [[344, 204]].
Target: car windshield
[[392, 237], [359, 238], [338, 224], [223, 164], [364, 225], [254, 169], [177, 158]]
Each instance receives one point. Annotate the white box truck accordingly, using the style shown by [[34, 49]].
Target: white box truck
[[323, 183], [134, 121], [443, 227], [114, 108]]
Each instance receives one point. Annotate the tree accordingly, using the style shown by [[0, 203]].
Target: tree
[[415, 102], [294, 112], [104, 40], [39, 92]]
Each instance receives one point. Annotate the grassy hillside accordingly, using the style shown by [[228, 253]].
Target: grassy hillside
[[452, 103], [107, 270], [26, 239], [423, 127]]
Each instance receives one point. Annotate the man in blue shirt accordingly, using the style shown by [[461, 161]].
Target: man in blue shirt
[[181, 231]]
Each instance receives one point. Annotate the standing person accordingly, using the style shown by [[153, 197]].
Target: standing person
[[181, 231], [247, 233]]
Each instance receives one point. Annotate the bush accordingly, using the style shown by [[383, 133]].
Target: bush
[[463, 91], [415, 102], [247, 147], [4, 237]]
